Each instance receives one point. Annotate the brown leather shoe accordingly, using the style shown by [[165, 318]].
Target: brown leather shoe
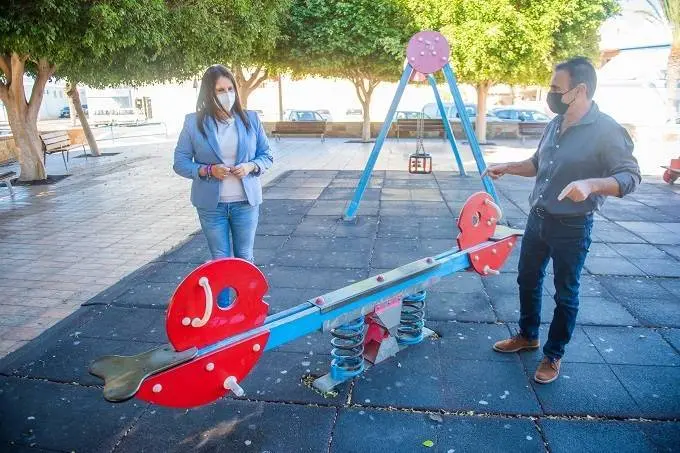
[[515, 343], [547, 371]]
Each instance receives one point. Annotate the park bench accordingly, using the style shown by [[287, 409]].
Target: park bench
[[6, 178], [58, 142], [429, 125], [300, 128], [531, 129]]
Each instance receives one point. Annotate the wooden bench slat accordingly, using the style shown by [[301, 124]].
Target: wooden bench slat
[[49, 135], [57, 146], [8, 175], [62, 138]]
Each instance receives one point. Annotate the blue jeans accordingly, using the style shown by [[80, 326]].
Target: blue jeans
[[230, 231], [230, 224], [566, 241]]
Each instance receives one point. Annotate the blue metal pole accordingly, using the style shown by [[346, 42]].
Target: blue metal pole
[[447, 125], [467, 127], [353, 206]]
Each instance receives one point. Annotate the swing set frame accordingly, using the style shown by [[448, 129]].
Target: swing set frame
[[450, 77]]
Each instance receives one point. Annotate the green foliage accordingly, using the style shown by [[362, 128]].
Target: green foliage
[[514, 41], [352, 39], [111, 42]]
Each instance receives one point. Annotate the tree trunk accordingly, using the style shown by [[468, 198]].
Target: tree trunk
[[673, 76], [364, 88], [246, 85], [22, 115], [480, 122], [72, 91], [280, 99], [29, 147]]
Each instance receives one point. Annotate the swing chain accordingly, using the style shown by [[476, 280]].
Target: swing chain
[[420, 131]]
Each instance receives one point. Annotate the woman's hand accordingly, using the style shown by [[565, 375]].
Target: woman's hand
[[241, 170], [219, 171]]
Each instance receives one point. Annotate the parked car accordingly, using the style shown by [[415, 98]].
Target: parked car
[[432, 111], [409, 115], [511, 113], [354, 113], [302, 115], [66, 111], [325, 114]]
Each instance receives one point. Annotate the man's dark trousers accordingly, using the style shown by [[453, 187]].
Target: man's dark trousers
[[566, 240]]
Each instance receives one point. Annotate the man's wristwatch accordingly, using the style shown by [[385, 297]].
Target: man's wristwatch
[[256, 169]]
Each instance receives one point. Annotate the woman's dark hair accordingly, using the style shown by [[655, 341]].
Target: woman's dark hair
[[207, 103]]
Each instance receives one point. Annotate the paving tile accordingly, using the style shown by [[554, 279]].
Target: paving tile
[[278, 376], [622, 287], [672, 336], [672, 250], [364, 245], [413, 379], [654, 312], [117, 323], [68, 359], [611, 266], [665, 435], [462, 307], [468, 341], [146, 295], [665, 267], [328, 259], [506, 308], [289, 277], [398, 432], [460, 283], [232, 426], [589, 389], [646, 251], [53, 416], [603, 311], [636, 346], [488, 386], [654, 388], [593, 436]]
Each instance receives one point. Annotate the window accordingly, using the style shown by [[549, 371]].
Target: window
[[503, 114], [55, 93], [538, 116]]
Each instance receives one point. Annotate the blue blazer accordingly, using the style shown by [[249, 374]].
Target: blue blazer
[[193, 150]]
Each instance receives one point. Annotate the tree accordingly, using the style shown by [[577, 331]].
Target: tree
[[512, 41], [114, 42], [360, 40], [667, 13]]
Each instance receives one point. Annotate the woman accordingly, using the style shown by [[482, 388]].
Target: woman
[[223, 149]]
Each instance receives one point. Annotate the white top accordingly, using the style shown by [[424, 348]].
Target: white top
[[231, 187]]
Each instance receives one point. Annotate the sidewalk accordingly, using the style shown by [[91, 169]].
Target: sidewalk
[[619, 386]]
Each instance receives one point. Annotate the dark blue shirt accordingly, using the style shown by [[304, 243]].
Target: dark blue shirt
[[595, 147]]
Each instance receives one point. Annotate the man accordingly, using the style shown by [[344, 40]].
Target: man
[[583, 157]]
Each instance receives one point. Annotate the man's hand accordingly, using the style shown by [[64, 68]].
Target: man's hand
[[219, 171], [241, 170], [495, 171], [576, 191]]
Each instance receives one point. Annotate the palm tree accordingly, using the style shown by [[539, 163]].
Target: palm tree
[[667, 12]]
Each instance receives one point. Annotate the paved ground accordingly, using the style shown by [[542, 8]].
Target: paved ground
[[620, 386]]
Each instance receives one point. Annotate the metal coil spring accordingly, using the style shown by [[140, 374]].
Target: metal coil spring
[[412, 321], [348, 349]]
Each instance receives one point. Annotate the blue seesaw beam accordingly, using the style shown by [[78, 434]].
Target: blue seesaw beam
[[350, 301], [447, 125]]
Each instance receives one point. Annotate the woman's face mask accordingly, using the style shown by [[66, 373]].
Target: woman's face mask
[[227, 99]]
